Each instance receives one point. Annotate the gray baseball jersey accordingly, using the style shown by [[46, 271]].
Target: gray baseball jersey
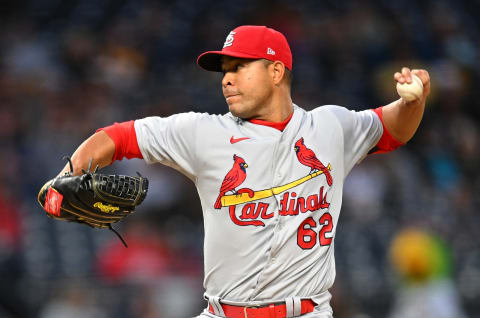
[[271, 199]]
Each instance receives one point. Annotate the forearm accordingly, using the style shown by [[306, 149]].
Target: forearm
[[98, 147], [402, 119]]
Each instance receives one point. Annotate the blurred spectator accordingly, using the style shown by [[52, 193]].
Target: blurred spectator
[[146, 259], [11, 268], [162, 280], [10, 223], [423, 264], [74, 301]]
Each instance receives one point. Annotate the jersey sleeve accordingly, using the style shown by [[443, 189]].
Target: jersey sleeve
[[361, 132], [125, 140], [171, 141], [387, 142]]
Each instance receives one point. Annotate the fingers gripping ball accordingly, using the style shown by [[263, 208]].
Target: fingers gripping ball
[[412, 91], [93, 199]]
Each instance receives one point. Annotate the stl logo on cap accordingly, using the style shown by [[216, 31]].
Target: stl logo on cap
[[229, 39]]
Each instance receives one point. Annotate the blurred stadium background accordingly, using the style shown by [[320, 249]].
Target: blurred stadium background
[[70, 67]]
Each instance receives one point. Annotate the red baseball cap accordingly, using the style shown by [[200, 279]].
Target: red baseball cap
[[251, 42]]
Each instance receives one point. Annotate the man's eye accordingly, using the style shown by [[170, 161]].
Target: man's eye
[[233, 68]]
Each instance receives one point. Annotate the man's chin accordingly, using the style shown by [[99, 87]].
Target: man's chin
[[237, 112]]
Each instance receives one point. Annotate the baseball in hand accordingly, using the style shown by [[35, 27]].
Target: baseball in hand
[[412, 91]]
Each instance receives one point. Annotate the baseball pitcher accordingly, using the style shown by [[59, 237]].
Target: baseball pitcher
[[269, 175]]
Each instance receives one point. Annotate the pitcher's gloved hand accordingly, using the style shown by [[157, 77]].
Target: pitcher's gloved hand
[[94, 199]]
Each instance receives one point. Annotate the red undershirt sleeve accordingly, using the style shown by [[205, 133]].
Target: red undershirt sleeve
[[125, 139], [386, 143]]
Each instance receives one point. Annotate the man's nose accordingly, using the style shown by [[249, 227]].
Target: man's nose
[[228, 79]]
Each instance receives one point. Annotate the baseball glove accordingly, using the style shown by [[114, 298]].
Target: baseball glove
[[93, 199]]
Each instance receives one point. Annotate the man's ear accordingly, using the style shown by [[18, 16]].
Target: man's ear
[[278, 72]]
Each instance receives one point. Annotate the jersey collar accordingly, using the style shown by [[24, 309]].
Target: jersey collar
[[279, 126]]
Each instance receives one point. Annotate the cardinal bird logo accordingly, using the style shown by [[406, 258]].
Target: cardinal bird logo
[[233, 179], [308, 158]]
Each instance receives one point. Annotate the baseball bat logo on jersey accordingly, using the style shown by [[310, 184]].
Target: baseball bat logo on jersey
[[252, 213]]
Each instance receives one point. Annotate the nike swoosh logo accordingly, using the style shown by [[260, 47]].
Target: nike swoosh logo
[[233, 140]]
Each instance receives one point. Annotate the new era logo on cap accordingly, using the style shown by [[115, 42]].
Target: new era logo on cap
[[250, 42]]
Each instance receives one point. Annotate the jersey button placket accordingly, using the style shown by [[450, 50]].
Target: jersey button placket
[[271, 259]]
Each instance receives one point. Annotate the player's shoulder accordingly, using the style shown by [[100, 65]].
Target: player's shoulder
[[328, 113], [341, 113], [210, 121], [338, 116], [192, 117], [331, 109], [200, 116]]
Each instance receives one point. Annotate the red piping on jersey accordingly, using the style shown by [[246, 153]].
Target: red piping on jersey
[[280, 126], [125, 139], [387, 142]]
